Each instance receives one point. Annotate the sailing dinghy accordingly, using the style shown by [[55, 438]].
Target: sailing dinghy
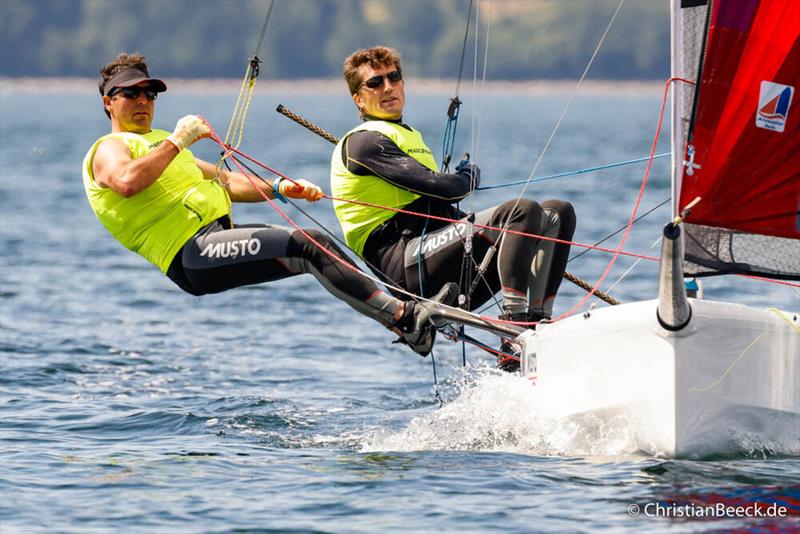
[[697, 377]]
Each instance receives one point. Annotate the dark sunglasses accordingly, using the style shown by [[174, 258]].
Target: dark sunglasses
[[134, 92], [377, 81]]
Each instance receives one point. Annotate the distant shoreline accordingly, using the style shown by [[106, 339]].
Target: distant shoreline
[[336, 86]]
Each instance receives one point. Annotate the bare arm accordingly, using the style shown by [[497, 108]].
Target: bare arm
[[239, 187], [113, 166]]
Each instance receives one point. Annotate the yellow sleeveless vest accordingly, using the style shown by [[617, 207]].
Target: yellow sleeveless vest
[[157, 221], [359, 221]]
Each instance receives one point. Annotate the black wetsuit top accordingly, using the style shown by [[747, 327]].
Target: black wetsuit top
[[372, 153], [397, 250]]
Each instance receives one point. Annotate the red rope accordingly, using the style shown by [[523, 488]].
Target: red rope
[[449, 220], [288, 219], [635, 205], [616, 252], [495, 228]]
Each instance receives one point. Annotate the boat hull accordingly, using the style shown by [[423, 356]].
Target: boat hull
[[728, 381]]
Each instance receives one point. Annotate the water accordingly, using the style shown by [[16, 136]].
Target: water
[[126, 404]]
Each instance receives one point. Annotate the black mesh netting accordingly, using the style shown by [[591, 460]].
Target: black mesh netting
[[711, 251]]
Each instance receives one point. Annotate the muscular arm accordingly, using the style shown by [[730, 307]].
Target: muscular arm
[[239, 187], [373, 153], [113, 166]]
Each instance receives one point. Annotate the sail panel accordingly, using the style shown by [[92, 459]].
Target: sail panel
[[749, 168], [742, 155]]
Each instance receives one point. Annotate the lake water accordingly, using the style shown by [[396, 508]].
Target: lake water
[[128, 405]]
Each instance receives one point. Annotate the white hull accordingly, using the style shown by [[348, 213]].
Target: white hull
[[732, 376]]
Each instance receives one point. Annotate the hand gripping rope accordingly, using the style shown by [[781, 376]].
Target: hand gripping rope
[[239, 117]]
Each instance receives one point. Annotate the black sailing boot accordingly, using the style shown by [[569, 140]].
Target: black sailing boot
[[415, 328], [509, 359]]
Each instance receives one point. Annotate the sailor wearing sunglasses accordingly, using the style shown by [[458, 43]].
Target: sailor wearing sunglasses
[[386, 163], [158, 200]]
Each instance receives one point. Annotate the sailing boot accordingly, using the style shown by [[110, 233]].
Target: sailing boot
[[509, 359], [415, 327]]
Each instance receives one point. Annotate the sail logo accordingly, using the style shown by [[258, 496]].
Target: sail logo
[[773, 106]]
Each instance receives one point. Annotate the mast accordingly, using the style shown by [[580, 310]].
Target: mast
[[674, 311], [675, 109]]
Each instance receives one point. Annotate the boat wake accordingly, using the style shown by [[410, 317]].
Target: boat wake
[[497, 412], [486, 410]]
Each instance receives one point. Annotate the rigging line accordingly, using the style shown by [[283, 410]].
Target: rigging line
[[631, 268], [783, 316], [386, 279], [333, 256], [334, 140], [246, 92], [448, 139], [264, 29], [316, 243], [569, 102], [638, 201], [635, 206], [458, 336], [572, 278], [556, 128], [475, 75], [445, 219], [481, 271], [575, 172], [621, 228], [476, 146], [468, 256], [464, 49]]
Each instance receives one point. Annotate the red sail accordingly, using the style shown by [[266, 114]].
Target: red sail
[[746, 131]]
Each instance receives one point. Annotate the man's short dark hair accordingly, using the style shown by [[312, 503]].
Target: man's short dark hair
[[122, 62]]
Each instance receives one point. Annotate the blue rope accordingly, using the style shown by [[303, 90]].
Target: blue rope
[[572, 173]]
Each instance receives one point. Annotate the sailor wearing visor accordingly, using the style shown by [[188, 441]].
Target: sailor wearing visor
[[158, 200]]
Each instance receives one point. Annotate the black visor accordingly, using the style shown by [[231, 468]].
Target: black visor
[[130, 77]]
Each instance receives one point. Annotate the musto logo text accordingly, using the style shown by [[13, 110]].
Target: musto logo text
[[232, 249]]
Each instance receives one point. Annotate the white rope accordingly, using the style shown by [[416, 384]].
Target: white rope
[[567, 106], [482, 98], [631, 268], [475, 75]]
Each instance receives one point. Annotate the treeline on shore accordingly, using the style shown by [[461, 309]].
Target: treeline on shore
[[528, 39]]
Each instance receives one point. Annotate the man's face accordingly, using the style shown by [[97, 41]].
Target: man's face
[[385, 101], [131, 114]]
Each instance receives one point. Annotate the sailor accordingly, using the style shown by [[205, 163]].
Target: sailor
[[158, 200], [385, 162]]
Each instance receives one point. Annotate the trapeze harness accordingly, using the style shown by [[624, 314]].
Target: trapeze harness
[[387, 163], [181, 223]]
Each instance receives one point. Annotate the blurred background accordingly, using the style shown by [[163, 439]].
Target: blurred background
[[530, 39]]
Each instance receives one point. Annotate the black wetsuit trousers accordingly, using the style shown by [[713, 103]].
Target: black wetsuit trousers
[[219, 258], [521, 267]]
